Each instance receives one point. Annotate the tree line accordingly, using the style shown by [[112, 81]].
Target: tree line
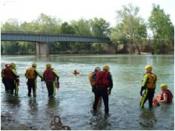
[[129, 35]]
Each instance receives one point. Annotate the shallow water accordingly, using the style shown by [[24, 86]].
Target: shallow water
[[74, 99]]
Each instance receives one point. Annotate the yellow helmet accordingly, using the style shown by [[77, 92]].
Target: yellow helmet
[[163, 86], [106, 67], [34, 65], [48, 66], [148, 67]]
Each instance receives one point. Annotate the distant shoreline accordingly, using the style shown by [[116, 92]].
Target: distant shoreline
[[142, 53]]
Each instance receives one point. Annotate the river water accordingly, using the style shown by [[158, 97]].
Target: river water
[[74, 99]]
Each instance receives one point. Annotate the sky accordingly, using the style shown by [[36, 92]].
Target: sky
[[67, 10]]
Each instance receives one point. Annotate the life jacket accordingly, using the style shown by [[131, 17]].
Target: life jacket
[[8, 74], [49, 75], [92, 78], [156, 100], [102, 79], [30, 73], [169, 95], [151, 80]]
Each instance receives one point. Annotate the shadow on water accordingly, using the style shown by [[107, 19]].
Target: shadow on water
[[147, 119]]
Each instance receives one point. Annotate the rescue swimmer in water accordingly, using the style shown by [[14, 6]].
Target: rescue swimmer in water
[[165, 96], [76, 72], [10, 79], [102, 87], [92, 80], [31, 75], [4, 75], [51, 78], [148, 86]]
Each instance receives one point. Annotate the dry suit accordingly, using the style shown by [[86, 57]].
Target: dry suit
[[148, 86], [31, 75], [50, 78], [103, 85], [92, 79], [11, 80], [4, 75]]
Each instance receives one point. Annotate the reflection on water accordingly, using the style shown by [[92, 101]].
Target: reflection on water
[[147, 119], [74, 99], [165, 107], [52, 102], [32, 104], [99, 121], [11, 100]]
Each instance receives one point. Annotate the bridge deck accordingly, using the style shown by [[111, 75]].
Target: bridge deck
[[47, 38]]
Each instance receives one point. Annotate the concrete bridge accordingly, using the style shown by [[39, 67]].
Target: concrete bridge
[[42, 40]]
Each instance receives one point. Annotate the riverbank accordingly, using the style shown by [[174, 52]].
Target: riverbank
[[90, 53]]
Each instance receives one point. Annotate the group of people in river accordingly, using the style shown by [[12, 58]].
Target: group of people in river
[[102, 84], [149, 86], [11, 79], [100, 80]]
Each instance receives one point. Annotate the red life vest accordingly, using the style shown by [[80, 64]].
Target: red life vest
[[8, 74], [102, 79], [169, 95], [49, 75]]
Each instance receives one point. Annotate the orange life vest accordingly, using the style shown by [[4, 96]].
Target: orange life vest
[[92, 78], [151, 80], [30, 73]]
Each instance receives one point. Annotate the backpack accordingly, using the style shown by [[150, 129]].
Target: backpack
[[30, 73], [102, 79]]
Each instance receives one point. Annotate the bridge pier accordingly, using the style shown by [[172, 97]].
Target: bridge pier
[[42, 49]]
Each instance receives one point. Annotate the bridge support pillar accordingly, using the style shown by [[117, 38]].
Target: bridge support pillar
[[42, 49]]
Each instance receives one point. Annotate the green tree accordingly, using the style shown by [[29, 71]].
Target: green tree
[[81, 27], [162, 29], [67, 29], [47, 24], [10, 26], [130, 28], [99, 27]]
